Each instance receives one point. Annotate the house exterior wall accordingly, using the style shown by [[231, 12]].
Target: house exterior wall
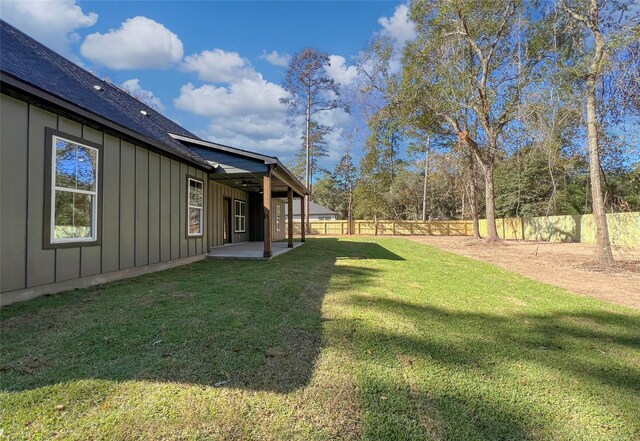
[[278, 234], [217, 193], [143, 217]]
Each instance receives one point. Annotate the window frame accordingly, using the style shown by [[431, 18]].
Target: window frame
[[278, 216], [49, 242], [236, 216], [189, 206]]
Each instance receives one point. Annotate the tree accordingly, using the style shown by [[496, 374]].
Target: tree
[[467, 67], [310, 91], [345, 176], [600, 30], [316, 149]]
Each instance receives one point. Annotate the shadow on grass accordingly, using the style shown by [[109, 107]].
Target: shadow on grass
[[254, 325], [485, 347]]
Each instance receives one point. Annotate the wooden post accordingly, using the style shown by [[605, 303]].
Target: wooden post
[[325, 227], [266, 207], [393, 228], [302, 220], [290, 216]]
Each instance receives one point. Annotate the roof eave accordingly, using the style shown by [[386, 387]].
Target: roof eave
[[268, 160]]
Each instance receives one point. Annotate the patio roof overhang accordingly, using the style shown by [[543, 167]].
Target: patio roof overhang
[[244, 170]]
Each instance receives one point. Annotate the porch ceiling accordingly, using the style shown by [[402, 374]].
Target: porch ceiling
[[252, 182]]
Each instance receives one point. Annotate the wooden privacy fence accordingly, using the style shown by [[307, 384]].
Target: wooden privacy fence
[[390, 228], [624, 228]]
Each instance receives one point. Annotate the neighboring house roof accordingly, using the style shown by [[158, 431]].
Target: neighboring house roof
[[28, 61], [314, 210]]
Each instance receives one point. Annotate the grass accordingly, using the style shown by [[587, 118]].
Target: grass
[[340, 339]]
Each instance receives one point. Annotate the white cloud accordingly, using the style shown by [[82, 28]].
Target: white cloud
[[247, 96], [276, 58], [146, 96], [248, 114], [140, 43], [218, 66], [399, 27], [53, 24], [339, 71]]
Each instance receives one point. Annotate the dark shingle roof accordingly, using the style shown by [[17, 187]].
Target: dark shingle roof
[[31, 62], [314, 209]]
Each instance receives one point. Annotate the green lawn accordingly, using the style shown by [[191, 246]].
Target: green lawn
[[340, 339]]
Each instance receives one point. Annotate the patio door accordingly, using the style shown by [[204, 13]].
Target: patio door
[[226, 220]]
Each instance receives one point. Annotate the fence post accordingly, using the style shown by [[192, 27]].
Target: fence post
[[411, 229], [325, 227], [393, 228], [448, 228]]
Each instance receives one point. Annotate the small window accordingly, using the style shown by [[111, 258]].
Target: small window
[[194, 210], [278, 217], [74, 191], [240, 217]]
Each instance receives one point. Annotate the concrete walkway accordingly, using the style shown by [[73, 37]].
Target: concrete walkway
[[249, 251]]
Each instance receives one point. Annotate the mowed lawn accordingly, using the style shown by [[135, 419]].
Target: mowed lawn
[[340, 339]]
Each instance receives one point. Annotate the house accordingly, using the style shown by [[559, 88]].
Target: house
[[316, 212], [96, 186]]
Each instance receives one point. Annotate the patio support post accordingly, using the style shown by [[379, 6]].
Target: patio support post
[[290, 216], [303, 220], [266, 205]]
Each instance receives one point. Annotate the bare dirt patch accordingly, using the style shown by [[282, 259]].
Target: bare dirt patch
[[571, 266]]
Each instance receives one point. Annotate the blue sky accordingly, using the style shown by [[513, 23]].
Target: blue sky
[[214, 67]]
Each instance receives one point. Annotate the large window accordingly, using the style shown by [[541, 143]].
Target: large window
[[194, 209], [74, 190], [240, 217]]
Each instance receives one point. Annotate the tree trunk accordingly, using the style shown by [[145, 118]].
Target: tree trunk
[[490, 203], [473, 196], [603, 244], [426, 180], [307, 170], [349, 213]]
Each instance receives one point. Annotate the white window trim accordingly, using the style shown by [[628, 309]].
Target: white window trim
[[278, 216], [237, 216], [189, 206], [54, 187]]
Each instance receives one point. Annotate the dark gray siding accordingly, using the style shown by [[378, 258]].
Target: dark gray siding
[[111, 204], [13, 175], [143, 197], [41, 263]]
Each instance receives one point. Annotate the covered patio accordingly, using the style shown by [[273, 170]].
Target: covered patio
[[264, 180], [250, 251]]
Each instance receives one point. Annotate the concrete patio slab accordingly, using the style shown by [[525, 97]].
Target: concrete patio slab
[[249, 251]]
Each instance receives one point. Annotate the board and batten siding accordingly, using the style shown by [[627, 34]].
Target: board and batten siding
[[275, 234], [217, 193], [143, 204]]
